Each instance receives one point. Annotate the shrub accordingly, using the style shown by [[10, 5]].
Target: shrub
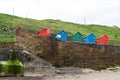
[[0, 67], [14, 66], [100, 67]]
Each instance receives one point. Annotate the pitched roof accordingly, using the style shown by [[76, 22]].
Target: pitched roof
[[89, 35], [102, 36], [76, 33], [61, 31]]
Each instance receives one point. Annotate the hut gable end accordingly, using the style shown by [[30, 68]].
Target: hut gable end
[[103, 40], [45, 32], [91, 38], [77, 37], [62, 35]]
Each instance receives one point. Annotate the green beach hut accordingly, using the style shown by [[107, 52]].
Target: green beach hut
[[77, 37]]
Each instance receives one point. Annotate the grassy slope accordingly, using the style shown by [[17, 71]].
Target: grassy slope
[[57, 25]]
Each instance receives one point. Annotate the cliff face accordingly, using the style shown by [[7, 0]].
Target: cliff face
[[68, 53]]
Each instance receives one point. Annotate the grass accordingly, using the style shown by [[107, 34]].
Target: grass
[[7, 39], [57, 25]]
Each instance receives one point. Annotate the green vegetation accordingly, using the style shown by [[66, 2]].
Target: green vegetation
[[12, 66], [57, 25], [0, 67], [100, 67], [7, 39], [5, 32]]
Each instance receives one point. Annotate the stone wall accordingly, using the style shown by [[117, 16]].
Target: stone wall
[[80, 55], [68, 53], [34, 44], [7, 44]]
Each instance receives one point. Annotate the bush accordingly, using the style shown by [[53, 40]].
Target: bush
[[100, 67], [0, 67], [14, 67]]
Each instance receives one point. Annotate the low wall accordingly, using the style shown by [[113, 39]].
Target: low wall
[[67, 53], [110, 48], [86, 55]]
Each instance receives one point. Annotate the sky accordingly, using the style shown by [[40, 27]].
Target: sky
[[103, 12]]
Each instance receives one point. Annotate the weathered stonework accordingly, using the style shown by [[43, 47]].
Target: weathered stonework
[[67, 53]]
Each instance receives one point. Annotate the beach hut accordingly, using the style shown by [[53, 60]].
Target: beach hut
[[77, 37], [103, 40], [62, 35], [45, 32], [91, 38]]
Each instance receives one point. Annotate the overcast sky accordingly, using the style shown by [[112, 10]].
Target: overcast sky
[[105, 12]]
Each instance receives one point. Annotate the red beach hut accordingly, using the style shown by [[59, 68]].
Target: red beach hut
[[103, 40], [45, 32]]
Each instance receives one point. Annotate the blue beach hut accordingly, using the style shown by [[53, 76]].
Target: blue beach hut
[[62, 35], [91, 38]]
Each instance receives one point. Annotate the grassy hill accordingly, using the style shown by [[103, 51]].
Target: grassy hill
[[57, 25]]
